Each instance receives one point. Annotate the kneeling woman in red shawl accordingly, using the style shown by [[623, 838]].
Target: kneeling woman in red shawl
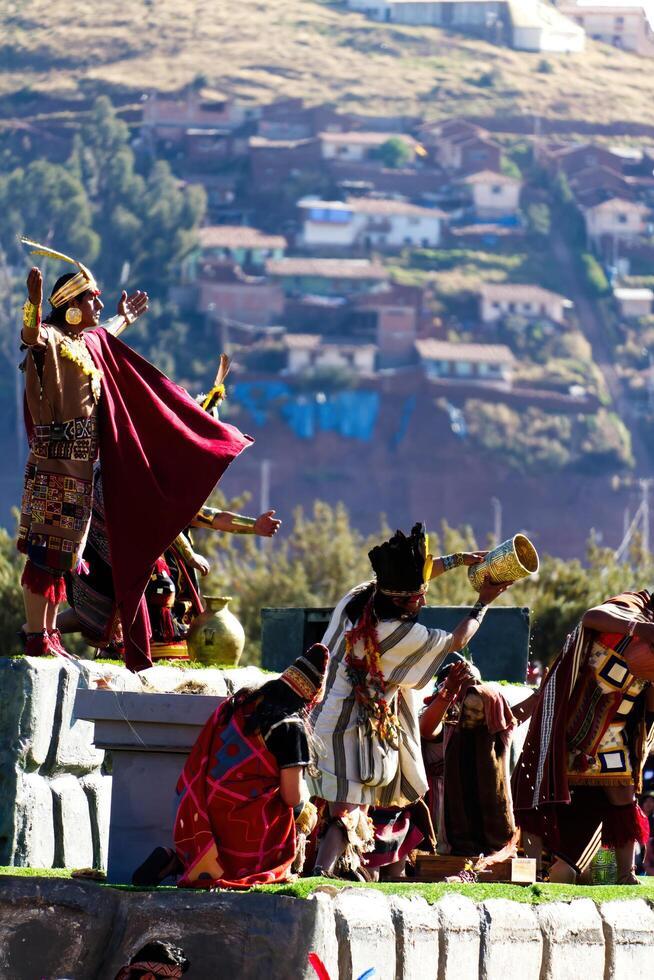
[[235, 824]]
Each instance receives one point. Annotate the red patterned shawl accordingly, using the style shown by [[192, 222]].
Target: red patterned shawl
[[232, 828]]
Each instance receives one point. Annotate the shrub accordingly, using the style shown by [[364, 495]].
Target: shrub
[[596, 280]]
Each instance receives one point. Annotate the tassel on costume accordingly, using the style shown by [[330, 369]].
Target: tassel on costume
[[624, 824], [167, 625], [50, 585]]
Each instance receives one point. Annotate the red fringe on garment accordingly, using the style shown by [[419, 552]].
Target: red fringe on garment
[[167, 625], [624, 824], [161, 566], [51, 586]]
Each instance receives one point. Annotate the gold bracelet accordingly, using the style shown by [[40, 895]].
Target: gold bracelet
[[206, 515], [243, 525], [31, 315]]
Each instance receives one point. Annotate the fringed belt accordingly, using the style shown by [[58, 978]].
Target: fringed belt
[[76, 439]]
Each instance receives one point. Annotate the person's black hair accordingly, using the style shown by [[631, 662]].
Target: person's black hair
[[57, 315], [162, 952], [384, 606], [276, 702]]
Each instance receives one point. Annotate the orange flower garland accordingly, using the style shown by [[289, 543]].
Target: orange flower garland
[[368, 679]]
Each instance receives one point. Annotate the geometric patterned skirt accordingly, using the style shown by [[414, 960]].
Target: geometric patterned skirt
[[56, 506]]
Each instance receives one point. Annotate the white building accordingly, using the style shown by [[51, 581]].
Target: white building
[[467, 362], [539, 26], [364, 222], [310, 352], [634, 302], [615, 217], [357, 146], [625, 25], [497, 300], [535, 25], [477, 14], [494, 195]]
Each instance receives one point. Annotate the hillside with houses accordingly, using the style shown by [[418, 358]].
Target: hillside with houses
[[453, 310]]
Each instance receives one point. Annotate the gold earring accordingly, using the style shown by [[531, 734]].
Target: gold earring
[[73, 316]]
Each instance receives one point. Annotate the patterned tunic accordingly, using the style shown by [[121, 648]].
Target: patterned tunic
[[411, 655], [598, 748], [62, 393]]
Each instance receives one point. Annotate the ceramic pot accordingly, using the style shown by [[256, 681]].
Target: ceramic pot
[[510, 561], [216, 637]]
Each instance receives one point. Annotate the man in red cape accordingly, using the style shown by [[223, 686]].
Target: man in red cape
[[162, 455]]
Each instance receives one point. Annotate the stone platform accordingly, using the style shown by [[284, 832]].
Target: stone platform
[[56, 928], [55, 784]]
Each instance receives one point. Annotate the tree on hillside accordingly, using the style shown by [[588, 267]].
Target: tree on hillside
[[394, 153], [539, 220], [46, 202], [145, 221]]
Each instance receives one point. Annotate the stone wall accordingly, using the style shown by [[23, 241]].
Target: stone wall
[[55, 786], [57, 928]]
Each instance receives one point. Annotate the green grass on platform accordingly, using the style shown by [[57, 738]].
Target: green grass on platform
[[431, 891]]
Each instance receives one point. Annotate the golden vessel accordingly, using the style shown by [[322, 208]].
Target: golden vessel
[[216, 637], [512, 560]]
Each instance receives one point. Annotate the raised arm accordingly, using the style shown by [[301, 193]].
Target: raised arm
[[447, 562], [433, 715], [32, 333], [611, 619], [467, 628], [265, 525]]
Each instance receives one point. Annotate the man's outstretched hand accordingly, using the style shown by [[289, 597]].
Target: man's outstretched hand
[[267, 524], [132, 307]]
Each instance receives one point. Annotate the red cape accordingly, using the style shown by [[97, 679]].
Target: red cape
[[161, 456]]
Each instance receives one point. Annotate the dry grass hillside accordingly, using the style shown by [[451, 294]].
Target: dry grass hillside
[[262, 49]]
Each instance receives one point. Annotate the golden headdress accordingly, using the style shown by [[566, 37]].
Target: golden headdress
[[80, 282]]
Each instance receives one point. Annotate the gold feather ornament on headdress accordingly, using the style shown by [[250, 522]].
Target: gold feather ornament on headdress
[[80, 283], [217, 393]]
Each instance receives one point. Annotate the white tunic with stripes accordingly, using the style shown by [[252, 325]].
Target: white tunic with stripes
[[411, 655]]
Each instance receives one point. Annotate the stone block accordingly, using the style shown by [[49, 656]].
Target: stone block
[[416, 938], [53, 928], [629, 936], [365, 933], [75, 751], [238, 677], [72, 823], [573, 940], [227, 935], [42, 678], [29, 689], [510, 934], [208, 680], [459, 938], [32, 844], [97, 788]]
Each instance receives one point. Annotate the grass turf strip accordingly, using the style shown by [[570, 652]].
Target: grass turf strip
[[431, 891]]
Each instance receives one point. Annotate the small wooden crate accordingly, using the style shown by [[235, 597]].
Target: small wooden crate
[[437, 867]]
